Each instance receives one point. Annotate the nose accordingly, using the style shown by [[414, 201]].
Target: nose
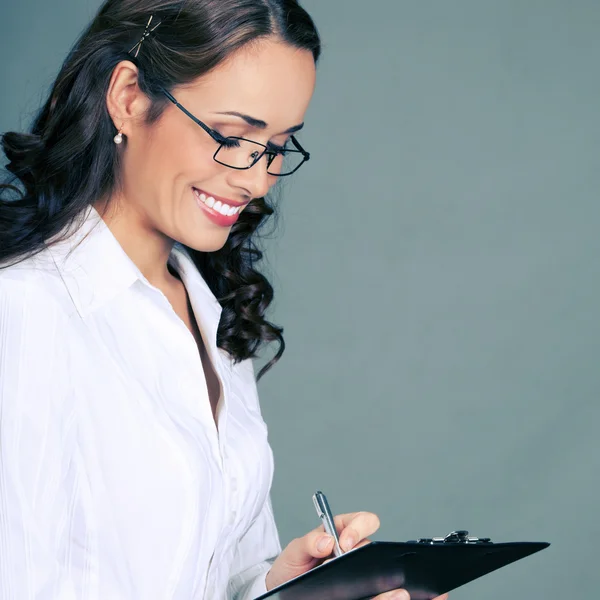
[[255, 181]]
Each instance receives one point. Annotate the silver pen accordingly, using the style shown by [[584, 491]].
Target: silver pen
[[326, 517]]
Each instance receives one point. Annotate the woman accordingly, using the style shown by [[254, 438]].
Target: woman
[[134, 461]]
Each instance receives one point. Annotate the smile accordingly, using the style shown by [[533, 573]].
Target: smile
[[217, 205]]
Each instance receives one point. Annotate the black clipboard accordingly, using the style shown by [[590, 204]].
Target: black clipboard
[[425, 568]]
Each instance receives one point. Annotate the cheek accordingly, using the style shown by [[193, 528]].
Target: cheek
[[187, 153]]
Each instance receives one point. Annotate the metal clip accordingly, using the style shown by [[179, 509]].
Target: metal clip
[[460, 536]]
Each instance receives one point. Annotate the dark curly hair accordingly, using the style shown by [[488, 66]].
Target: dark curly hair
[[68, 159]]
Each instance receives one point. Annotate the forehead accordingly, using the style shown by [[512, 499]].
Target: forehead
[[268, 80]]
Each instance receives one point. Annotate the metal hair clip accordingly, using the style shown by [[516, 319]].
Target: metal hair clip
[[146, 34]]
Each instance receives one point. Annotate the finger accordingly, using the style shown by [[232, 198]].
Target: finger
[[341, 521], [299, 556], [354, 527], [314, 545], [359, 545], [442, 597], [394, 595]]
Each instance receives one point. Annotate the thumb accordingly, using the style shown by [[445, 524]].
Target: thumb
[[300, 556]]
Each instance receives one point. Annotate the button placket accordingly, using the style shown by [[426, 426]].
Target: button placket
[[222, 366], [229, 488], [232, 500]]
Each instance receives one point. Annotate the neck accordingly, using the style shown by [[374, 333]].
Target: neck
[[146, 247]]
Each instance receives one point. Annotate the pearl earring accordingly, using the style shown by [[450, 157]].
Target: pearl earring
[[119, 137]]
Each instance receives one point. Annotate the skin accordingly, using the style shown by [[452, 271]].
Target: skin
[[316, 547], [271, 81]]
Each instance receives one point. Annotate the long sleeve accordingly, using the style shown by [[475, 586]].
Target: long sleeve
[[33, 444], [256, 551]]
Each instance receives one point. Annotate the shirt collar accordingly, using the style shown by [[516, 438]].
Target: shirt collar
[[95, 269], [207, 308]]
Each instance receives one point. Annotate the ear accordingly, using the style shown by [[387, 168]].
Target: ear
[[125, 102]]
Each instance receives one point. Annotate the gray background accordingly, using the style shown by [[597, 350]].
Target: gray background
[[436, 271]]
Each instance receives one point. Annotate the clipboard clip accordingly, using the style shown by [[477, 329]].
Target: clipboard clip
[[459, 536]]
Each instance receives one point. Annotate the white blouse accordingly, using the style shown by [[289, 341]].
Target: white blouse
[[115, 482]]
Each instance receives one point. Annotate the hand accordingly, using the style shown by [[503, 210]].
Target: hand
[[305, 553]]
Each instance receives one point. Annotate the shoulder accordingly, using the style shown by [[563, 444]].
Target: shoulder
[[35, 360], [34, 331], [34, 285]]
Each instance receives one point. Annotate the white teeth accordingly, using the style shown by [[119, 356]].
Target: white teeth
[[224, 209]]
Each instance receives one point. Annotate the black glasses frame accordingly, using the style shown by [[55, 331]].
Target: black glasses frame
[[217, 137]]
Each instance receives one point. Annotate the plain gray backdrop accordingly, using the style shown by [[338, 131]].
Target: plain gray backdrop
[[436, 271]]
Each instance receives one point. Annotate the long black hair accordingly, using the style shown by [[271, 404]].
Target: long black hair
[[68, 160]]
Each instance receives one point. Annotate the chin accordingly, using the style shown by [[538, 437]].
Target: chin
[[206, 243]]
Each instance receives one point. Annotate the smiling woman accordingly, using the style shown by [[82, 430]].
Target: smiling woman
[[134, 460], [219, 59]]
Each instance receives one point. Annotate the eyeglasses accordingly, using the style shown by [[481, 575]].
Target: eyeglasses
[[241, 153]]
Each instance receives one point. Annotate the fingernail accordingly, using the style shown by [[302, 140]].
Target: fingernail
[[350, 542], [324, 543], [401, 595]]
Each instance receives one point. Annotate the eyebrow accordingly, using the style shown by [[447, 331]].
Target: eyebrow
[[257, 123]]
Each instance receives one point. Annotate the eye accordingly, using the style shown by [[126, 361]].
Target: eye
[[276, 149], [227, 142]]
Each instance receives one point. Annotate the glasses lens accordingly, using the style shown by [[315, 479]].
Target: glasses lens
[[241, 154], [286, 163], [238, 153]]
